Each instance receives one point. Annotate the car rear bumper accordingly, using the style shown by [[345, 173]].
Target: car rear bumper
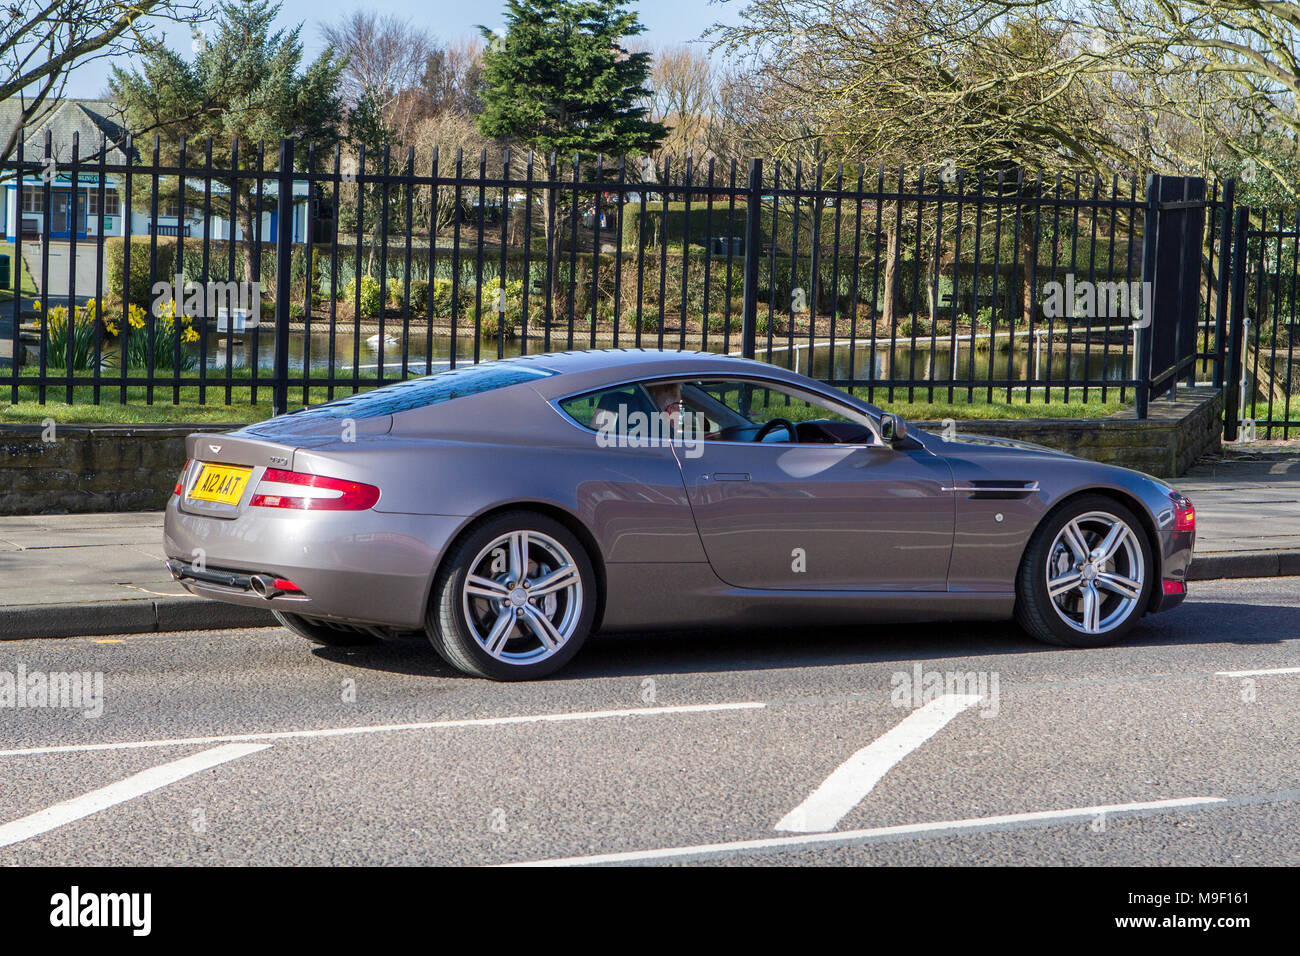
[[361, 567], [1177, 548]]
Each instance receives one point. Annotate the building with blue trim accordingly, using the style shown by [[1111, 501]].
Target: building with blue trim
[[23, 205]]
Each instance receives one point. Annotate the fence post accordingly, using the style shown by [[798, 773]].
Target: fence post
[[283, 252], [753, 233], [1150, 230], [1236, 326], [1226, 262]]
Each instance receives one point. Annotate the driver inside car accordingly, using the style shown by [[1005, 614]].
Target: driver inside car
[[667, 398]]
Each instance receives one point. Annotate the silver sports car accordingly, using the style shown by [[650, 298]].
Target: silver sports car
[[507, 510]]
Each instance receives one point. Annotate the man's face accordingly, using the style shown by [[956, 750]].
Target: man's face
[[668, 400]]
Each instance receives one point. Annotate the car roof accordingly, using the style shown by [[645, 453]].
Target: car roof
[[554, 375], [585, 360], [592, 368], [586, 370]]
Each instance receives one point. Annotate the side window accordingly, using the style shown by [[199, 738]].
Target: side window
[[618, 410], [768, 403], [737, 410]]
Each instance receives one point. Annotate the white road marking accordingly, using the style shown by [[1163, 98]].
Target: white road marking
[[391, 728], [856, 777], [155, 778], [1275, 670], [882, 834]]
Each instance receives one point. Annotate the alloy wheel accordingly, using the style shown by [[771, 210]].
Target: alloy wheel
[[1095, 572], [523, 597]]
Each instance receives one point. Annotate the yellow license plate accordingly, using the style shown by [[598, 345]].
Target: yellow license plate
[[220, 483]]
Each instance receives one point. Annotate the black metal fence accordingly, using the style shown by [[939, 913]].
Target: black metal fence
[[936, 285], [1263, 375]]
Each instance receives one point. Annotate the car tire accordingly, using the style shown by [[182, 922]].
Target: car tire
[[486, 621], [325, 634], [1065, 560]]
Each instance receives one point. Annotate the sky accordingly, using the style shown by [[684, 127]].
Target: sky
[[666, 21]]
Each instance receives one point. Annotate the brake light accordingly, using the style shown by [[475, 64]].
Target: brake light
[[293, 489], [180, 482], [1184, 514]]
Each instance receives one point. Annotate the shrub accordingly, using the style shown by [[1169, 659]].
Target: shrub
[[441, 294], [489, 325], [139, 289], [651, 228], [649, 319], [776, 322], [419, 296], [369, 295], [502, 304]]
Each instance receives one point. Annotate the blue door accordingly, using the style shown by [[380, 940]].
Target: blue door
[[60, 218]]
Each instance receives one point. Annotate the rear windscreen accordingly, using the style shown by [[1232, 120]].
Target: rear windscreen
[[403, 396]]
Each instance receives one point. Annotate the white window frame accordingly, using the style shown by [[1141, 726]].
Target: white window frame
[[33, 199], [112, 204]]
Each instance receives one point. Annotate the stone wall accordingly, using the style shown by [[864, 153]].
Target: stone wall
[[1176, 432], [62, 469], [81, 468]]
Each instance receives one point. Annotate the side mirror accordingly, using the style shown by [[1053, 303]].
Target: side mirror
[[892, 428]]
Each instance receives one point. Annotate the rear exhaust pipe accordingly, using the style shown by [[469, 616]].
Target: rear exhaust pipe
[[264, 585]]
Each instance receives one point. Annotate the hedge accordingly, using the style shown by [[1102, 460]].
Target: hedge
[[650, 226], [139, 289]]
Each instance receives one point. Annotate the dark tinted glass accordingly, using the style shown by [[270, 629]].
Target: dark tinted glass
[[403, 396]]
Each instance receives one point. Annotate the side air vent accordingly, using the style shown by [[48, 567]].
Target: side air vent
[[992, 489]]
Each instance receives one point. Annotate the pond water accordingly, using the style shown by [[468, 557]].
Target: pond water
[[433, 353]]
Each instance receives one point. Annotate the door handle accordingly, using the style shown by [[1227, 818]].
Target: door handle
[[731, 476]]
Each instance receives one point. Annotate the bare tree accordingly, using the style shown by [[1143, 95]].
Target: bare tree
[[1226, 70], [931, 80], [450, 133], [452, 79], [682, 97], [42, 41], [919, 83], [386, 57]]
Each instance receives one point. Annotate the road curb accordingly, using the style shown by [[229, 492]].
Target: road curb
[[126, 617], [1244, 564]]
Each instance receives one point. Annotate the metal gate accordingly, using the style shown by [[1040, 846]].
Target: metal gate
[[1263, 375]]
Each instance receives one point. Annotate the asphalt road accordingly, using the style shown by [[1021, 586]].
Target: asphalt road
[[789, 748]]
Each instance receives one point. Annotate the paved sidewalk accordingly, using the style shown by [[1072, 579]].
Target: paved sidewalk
[[1247, 516], [83, 575], [63, 575]]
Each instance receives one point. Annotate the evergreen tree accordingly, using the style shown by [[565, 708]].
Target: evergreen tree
[[560, 81], [244, 84]]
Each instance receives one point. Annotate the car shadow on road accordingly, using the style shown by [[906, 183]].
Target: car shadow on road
[[718, 650]]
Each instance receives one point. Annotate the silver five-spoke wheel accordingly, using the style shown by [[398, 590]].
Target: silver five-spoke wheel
[[1095, 572], [523, 597]]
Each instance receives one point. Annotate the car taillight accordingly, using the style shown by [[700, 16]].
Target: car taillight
[[1184, 513], [180, 482], [1175, 587], [293, 489]]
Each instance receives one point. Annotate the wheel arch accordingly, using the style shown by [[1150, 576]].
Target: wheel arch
[[1128, 500], [554, 512]]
